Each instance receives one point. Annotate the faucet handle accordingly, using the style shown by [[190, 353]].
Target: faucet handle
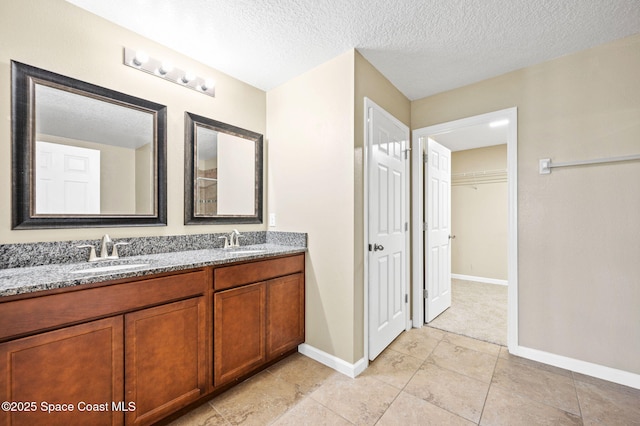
[[114, 251], [92, 253], [237, 239], [226, 241]]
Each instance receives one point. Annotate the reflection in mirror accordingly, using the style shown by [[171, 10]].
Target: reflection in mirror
[[85, 155], [86, 162], [224, 173]]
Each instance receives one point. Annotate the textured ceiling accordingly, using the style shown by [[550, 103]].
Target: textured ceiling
[[69, 115], [422, 46]]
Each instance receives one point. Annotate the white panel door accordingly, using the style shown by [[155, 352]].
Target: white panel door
[[438, 229], [67, 179], [387, 235]]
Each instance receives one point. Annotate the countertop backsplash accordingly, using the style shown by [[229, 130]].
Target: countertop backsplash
[[64, 252]]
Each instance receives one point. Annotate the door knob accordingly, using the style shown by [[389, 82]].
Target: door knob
[[377, 247]]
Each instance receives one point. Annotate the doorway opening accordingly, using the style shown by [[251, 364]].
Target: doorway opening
[[479, 226], [473, 137]]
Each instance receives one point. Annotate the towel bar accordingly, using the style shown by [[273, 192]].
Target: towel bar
[[545, 164]]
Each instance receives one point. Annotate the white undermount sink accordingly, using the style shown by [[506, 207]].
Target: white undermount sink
[[110, 268], [240, 251]]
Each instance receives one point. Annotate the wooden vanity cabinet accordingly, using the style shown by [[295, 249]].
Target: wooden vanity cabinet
[[285, 319], [136, 352], [165, 359], [145, 360], [73, 365], [238, 337], [258, 314]]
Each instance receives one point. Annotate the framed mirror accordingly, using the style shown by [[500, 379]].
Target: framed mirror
[[84, 155], [223, 173]]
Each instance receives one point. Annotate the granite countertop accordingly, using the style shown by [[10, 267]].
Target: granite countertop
[[15, 281]]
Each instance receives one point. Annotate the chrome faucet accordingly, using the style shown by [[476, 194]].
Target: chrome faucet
[[233, 238], [106, 239], [104, 253]]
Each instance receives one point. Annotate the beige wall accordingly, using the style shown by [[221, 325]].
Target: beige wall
[[578, 228], [315, 139], [311, 175], [479, 214], [144, 179], [59, 37]]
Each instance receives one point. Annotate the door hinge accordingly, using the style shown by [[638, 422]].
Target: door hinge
[[406, 298], [424, 226], [406, 226], [425, 293], [425, 157]]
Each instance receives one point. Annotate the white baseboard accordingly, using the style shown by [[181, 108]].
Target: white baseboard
[[595, 370], [479, 279], [332, 361]]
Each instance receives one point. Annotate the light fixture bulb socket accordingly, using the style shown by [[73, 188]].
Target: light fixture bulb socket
[[165, 67], [140, 58], [208, 84], [187, 77]]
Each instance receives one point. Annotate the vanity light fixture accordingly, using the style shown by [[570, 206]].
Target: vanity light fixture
[[165, 70]]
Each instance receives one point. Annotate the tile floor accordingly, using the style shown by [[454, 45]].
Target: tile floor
[[425, 377], [477, 310]]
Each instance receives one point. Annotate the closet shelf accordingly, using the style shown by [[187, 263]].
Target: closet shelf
[[479, 177]]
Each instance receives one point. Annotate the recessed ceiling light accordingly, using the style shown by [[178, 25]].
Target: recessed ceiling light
[[499, 123]]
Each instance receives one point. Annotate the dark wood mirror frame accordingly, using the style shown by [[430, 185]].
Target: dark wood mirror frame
[[190, 217], [23, 129]]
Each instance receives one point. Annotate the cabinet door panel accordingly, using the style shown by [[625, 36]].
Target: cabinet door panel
[[285, 314], [239, 331], [165, 358], [77, 366]]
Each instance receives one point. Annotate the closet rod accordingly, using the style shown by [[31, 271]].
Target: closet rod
[[546, 165]]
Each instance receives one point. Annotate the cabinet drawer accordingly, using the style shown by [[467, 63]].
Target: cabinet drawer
[[237, 275], [28, 316]]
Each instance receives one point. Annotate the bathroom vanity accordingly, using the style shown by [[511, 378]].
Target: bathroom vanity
[[135, 347], [176, 321]]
